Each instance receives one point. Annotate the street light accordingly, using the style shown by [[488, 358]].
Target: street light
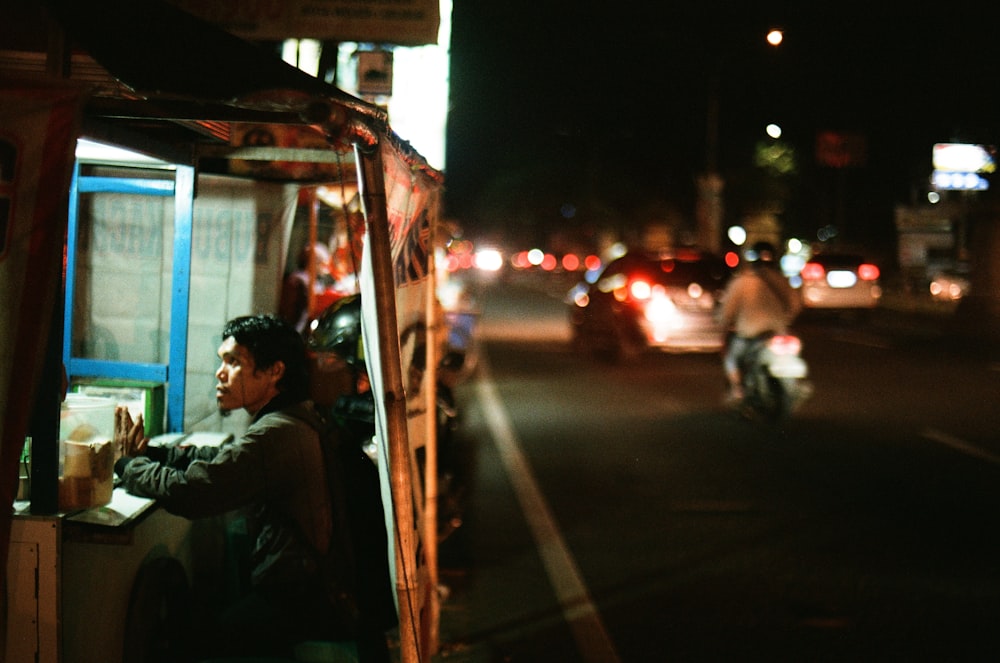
[[775, 37]]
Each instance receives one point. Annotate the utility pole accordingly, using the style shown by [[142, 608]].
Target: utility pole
[[709, 210]]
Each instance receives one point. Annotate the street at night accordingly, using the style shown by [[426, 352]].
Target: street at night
[[504, 249], [620, 513]]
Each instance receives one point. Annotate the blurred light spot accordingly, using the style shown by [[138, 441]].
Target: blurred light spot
[[489, 260]]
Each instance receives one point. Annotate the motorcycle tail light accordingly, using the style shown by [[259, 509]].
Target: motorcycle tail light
[[785, 344], [868, 272]]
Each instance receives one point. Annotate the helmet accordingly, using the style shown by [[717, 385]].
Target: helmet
[[761, 252], [338, 330]]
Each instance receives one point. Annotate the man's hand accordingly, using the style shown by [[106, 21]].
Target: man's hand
[[130, 437]]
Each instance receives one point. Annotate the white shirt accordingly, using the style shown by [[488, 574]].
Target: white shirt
[[752, 305]]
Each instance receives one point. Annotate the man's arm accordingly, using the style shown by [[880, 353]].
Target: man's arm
[[790, 296], [730, 303], [194, 482]]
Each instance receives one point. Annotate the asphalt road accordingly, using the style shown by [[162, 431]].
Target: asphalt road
[[619, 513]]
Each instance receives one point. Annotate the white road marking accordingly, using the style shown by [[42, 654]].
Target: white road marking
[[961, 445], [579, 611]]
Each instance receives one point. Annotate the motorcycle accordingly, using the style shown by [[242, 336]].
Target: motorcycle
[[334, 345], [774, 378]]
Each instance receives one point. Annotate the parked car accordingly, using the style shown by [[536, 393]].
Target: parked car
[[641, 300], [839, 281]]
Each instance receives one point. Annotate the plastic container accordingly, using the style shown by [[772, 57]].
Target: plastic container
[[86, 452]]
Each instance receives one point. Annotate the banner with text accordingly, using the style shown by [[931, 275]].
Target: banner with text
[[411, 199]]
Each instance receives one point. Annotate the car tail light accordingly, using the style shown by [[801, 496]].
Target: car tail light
[[785, 344], [813, 271], [868, 272]]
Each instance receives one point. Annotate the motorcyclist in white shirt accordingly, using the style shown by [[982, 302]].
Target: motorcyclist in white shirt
[[758, 301]]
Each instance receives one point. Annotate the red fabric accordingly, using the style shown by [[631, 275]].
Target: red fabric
[[38, 125]]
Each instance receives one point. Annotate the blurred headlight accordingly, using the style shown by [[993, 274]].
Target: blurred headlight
[[640, 289], [489, 260]]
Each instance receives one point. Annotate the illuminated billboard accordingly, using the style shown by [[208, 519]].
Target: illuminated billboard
[[961, 166], [964, 158], [945, 180]]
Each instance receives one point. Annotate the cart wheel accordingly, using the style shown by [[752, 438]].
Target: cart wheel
[[158, 613]]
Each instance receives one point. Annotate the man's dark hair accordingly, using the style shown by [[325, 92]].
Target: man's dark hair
[[270, 339]]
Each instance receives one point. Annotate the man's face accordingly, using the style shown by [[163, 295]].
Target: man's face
[[239, 383]]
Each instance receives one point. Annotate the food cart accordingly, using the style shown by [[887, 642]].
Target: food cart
[[217, 151]]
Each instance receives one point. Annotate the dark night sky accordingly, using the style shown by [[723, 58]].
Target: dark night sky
[[545, 94]]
